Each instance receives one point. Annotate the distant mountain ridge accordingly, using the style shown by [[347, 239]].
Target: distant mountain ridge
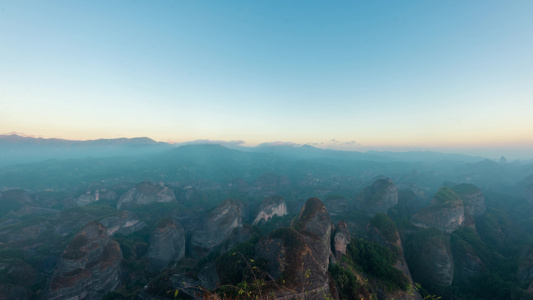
[[14, 140], [16, 149]]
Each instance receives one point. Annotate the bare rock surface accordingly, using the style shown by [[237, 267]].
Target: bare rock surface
[[167, 244], [341, 239], [430, 258], [125, 223], [146, 193], [270, 207], [217, 227], [89, 267]]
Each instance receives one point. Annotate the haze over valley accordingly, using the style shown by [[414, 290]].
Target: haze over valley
[[266, 150]]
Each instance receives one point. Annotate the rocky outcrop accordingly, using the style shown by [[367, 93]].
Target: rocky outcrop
[[270, 207], [93, 196], [473, 199], [430, 258], [146, 193], [314, 222], [341, 239], [437, 260], [218, 226], [301, 253], [167, 244], [378, 197], [89, 267], [125, 223], [446, 212]]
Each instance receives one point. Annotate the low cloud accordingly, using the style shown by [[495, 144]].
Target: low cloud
[[278, 144], [220, 142]]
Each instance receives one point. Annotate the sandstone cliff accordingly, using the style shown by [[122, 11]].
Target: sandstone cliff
[[378, 197], [446, 212], [146, 193], [270, 207], [300, 254], [89, 267], [429, 257], [218, 226], [125, 223], [167, 244]]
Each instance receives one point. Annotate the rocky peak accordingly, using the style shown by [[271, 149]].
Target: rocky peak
[[446, 212], [89, 267], [270, 207], [146, 193], [378, 197], [314, 218], [315, 224]]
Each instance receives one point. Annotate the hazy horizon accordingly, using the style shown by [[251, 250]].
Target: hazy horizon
[[452, 77], [509, 152]]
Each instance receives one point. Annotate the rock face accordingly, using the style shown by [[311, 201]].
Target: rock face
[[437, 260], [216, 227], [430, 259], [301, 253], [89, 267], [269, 207], [446, 212], [167, 243], [341, 239], [378, 197], [96, 195], [146, 193], [473, 199], [125, 223]]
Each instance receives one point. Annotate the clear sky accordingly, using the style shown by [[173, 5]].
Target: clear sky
[[342, 74]]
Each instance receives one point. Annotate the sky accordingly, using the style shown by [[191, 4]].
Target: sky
[[351, 75]]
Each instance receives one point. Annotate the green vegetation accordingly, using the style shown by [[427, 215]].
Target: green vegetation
[[386, 227], [345, 281], [446, 196], [378, 262]]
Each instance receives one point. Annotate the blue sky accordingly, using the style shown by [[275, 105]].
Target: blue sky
[[454, 75]]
